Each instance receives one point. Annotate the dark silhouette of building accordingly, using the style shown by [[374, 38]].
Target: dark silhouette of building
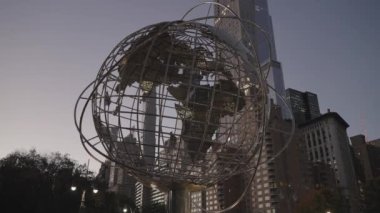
[[117, 179], [368, 154], [374, 155], [361, 153], [304, 105], [323, 176]]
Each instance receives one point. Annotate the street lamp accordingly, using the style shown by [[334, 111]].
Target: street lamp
[[328, 211], [83, 197], [82, 206], [125, 210]]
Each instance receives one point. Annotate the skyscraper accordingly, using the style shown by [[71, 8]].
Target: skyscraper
[[281, 183], [278, 185], [304, 105], [264, 193], [257, 12]]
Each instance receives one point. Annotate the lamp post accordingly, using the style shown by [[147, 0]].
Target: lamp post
[[82, 207]]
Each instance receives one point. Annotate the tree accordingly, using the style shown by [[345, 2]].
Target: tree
[[35, 183], [321, 200]]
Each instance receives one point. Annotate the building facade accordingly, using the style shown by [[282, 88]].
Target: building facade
[[368, 154], [361, 152], [304, 105], [261, 38], [327, 142], [278, 184]]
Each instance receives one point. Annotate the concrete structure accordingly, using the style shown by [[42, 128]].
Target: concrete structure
[[327, 141], [375, 142], [323, 176], [278, 185], [304, 105], [116, 179], [368, 153], [374, 154], [115, 176], [360, 148], [152, 196], [120, 182]]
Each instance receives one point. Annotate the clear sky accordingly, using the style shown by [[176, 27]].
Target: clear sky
[[51, 49]]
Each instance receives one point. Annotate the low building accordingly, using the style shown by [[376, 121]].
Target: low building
[[327, 142]]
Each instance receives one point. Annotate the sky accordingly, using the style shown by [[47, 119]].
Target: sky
[[51, 49]]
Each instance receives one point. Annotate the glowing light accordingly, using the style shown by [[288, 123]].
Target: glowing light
[[147, 86]]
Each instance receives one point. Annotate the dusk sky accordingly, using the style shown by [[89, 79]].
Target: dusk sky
[[51, 49]]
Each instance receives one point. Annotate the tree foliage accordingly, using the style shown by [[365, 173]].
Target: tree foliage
[[321, 201], [35, 183]]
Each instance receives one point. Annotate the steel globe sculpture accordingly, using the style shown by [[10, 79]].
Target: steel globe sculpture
[[180, 105]]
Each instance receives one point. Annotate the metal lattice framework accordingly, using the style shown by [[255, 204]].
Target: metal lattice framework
[[177, 102]]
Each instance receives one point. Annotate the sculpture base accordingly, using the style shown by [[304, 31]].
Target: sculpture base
[[179, 199]]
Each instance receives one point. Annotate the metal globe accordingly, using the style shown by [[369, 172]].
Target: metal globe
[[177, 103]]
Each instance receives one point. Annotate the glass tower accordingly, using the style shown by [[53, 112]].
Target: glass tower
[[304, 105], [256, 11]]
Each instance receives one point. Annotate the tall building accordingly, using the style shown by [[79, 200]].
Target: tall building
[[374, 154], [327, 142], [278, 185], [375, 142], [361, 153], [281, 183], [115, 176], [120, 182], [144, 193], [368, 153], [152, 196], [255, 11], [304, 105]]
